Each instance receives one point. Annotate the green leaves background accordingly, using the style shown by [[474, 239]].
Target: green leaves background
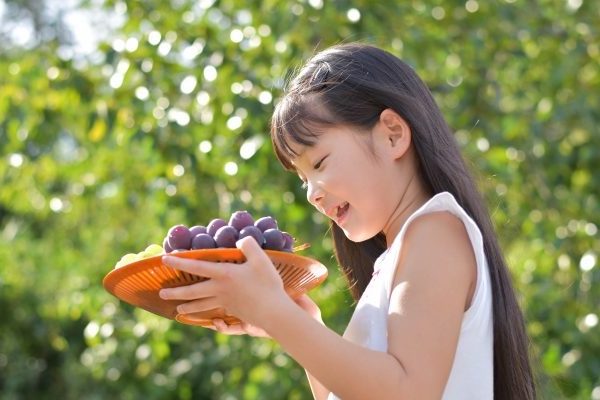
[[167, 122]]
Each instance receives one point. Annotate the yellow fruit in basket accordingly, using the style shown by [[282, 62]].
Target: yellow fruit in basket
[[130, 257], [127, 258], [152, 250]]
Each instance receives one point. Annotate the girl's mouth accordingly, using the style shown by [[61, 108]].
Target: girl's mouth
[[341, 212]]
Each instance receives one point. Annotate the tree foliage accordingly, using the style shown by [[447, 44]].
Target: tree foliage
[[167, 122]]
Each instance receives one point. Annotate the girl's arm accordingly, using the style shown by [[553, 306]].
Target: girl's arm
[[319, 391], [348, 370], [434, 277]]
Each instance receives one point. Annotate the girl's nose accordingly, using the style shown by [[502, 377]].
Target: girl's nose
[[314, 194]]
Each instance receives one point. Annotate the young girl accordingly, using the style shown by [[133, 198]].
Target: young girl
[[436, 315]]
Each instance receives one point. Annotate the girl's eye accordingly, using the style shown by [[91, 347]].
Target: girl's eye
[[318, 165], [304, 185]]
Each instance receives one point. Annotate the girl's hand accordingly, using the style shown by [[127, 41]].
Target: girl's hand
[[250, 290], [244, 328], [238, 329]]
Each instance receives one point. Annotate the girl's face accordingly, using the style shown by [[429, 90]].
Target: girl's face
[[359, 189]]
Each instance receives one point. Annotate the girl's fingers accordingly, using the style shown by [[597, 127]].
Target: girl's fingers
[[254, 330], [207, 269], [189, 292], [238, 329], [222, 327], [252, 249], [206, 304], [219, 324]]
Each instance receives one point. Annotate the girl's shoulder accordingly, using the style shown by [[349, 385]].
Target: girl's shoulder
[[438, 237], [440, 216], [438, 240], [434, 225]]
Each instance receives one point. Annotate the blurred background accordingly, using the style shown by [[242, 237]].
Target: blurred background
[[119, 119]]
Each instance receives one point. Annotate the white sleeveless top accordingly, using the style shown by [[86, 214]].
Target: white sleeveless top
[[472, 373]]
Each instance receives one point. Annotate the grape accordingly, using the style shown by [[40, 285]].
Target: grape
[[197, 229], [166, 246], [220, 234], [265, 223], [226, 236], [203, 241], [254, 232], [289, 242], [274, 239], [241, 219], [215, 225], [179, 237]]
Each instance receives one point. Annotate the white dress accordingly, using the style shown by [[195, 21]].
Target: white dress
[[472, 373]]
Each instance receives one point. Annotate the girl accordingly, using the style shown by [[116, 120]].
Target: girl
[[436, 315]]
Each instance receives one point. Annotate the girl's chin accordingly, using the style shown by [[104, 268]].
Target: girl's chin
[[357, 236]]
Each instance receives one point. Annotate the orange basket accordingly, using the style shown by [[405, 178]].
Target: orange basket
[[139, 282]]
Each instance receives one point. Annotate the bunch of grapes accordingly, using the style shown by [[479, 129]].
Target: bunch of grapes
[[218, 233]]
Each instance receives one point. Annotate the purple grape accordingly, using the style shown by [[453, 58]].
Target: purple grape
[[215, 225], [289, 242], [274, 239], [241, 219], [254, 232], [203, 241], [265, 223], [226, 236], [197, 229], [179, 237], [166, 246]]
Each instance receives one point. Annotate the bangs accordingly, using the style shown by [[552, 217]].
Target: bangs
[[297, 120]]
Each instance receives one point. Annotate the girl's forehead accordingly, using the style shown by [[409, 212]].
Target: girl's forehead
[[300, 150], [301, 159], [323, 136]]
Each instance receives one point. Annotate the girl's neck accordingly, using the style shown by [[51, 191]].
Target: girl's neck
[[411, 200]]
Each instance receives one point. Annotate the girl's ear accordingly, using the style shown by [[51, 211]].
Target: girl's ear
[[396, 132]]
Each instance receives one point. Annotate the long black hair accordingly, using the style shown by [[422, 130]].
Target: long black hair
[[352, 84]]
